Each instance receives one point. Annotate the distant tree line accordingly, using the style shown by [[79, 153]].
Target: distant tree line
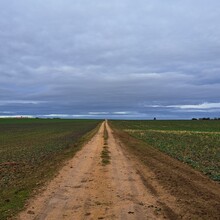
[[205, 118]]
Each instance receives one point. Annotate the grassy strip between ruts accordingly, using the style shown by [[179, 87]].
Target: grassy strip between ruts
[[193, 142], [105, 152], [31, 153]]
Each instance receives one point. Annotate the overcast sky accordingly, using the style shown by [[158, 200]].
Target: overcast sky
[[118, 58]]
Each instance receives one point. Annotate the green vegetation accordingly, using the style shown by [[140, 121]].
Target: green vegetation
[[178, 125], [105, 152], [31, 151], [105, 156], [194, 142]]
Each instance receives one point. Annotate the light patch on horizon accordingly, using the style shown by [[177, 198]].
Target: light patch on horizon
[[198, 106], [8, 102], [98, 113], [17, 116], [203, 109], [204, 105]]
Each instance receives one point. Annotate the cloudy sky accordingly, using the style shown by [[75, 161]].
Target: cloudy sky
[[118, 58]]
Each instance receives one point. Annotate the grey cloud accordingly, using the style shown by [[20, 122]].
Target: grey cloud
[[72, 58]]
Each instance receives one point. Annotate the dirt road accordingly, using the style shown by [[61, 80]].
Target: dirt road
[[86, 189]]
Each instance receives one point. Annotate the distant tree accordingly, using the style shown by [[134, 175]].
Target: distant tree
[[155, 118], [204, 119], [194, 119]]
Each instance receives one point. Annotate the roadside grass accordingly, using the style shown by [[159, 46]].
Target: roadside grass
[[196, 143], [31, 151], [105, 152]]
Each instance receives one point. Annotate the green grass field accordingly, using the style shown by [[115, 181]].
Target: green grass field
[[194, 142], [31, 150]]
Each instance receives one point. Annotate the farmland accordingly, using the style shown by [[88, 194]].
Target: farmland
[[119, 156], [31, 151], [196, 143]]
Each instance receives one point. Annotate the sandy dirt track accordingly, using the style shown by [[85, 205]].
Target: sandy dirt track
[[85, 189]]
